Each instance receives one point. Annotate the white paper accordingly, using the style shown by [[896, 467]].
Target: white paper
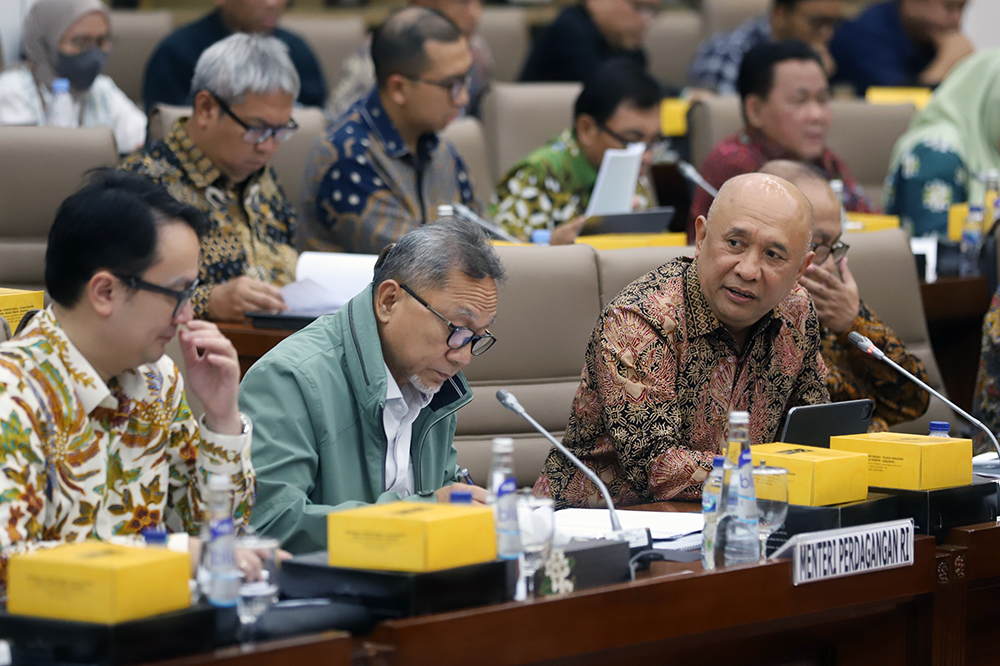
[[616, 180], [595, 523], [927, 246], [325, 281]]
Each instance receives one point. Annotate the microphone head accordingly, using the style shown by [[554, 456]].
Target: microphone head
[[859, 340], [508, 400]]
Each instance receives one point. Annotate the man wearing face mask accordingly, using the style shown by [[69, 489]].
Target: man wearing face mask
[[69, 39]]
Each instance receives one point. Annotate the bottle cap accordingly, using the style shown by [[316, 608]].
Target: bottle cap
[[739, 417], [154, 536], [718, 461], [940, 425], [461, 497], [60, 86], [503, 445], [541, 237]]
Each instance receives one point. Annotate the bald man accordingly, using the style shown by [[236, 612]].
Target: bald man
[[841, 310], [681, 347]]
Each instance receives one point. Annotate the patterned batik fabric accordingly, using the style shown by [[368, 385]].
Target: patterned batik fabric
[[855, 375], [553, 184], [986, 400], [717, 63], [85, 459], [251, 224], [748, 150], [662, 374], [357, 78], [364, 188], [930, 177]]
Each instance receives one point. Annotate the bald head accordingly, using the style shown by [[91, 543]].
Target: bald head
[[754, 250]]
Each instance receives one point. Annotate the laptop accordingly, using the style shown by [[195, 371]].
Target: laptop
[[652, 221], [814, 425]]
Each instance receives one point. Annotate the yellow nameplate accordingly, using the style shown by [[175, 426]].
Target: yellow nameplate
[[98, 582], [15, 302], [918, 97], [911, 462], [411, 536], [817, 477], [674, 116]]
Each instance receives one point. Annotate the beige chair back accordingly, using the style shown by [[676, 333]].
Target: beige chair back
[[725, 15], [671, 44], [469, 139], [39, 167], [709, 120], [520, 117], [331, 39], [546, 312], [290, 160], [136, 34], [505, 30]]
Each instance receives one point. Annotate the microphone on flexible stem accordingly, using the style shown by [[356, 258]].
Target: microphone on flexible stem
[[868, 347], [465, 213], [689, 172]]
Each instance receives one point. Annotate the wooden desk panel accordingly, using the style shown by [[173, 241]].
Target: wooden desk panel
[[330, 648]]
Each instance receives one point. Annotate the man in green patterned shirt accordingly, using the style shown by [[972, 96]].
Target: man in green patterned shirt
[[619, 105]]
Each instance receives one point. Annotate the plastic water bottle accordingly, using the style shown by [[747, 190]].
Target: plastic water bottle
[[501, 494], [61, 111], [541, 237], [972, 231], [990, 209], [711, 493], [737, 539], [223, 574], [940, 429]]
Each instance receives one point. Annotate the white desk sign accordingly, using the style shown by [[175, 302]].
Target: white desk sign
[[850, 550]]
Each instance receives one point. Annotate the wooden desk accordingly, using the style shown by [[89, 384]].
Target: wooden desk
[[251, 343], [330, 648], [968, 597]]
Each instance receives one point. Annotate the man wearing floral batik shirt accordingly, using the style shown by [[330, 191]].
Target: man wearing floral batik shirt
[[97, 435]]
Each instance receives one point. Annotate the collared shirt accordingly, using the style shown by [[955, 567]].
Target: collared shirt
[[171, 67], [402, 407], [251, 224], [748, 150], [24, 102], [717, 63], [364, 189], [85, 459], [986, 400], [357, 78], [552, 183], [853, 376], [875, 50], [571, 48], [662, 374]]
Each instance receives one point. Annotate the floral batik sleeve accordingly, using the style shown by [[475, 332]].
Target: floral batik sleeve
[[929, 179]]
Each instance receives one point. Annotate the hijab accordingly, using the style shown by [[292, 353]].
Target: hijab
[[963, 115], [44, 27]]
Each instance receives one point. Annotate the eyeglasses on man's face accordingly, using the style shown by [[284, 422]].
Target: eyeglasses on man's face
[[653, 143], [454, 85], [257, 134], [460, 335], [837, 250], [182, 297]]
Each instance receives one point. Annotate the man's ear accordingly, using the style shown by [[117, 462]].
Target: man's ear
[[206, 110], [700, 231], [397, 88], [586, 128], [386, 299], [806, 261], [753, 109], [103, 291]]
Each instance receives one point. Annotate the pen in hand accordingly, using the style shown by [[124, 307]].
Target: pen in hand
[[467, 476]]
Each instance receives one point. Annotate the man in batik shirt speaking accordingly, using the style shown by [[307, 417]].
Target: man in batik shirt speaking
[[681, 347]]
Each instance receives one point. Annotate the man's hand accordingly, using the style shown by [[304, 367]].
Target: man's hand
[[829, 64], [836, 298], [478, 494], [952, 47], [212, 371], [231, 300], [567, 232]]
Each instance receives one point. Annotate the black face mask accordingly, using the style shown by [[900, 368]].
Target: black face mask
[[81, 69]]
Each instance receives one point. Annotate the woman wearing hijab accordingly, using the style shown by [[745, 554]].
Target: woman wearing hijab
[[943, 156], [69, 39]]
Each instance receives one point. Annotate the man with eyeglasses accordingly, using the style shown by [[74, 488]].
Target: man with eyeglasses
[[98, 438], [619, 105], [244, 90], [717, 63], [360, 407], [588, 34], [381, 169], [840, 310]]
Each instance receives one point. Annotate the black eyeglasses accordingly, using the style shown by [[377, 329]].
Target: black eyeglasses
[[460, 335], [454, 85], [259, 134], [182, 297], [838, 250], [656, 141]]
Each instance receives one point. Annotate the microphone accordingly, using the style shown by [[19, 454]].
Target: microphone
[[868, 347], [465, 213], [688, 171]]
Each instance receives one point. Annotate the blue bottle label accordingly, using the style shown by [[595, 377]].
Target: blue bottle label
[[508, 486]]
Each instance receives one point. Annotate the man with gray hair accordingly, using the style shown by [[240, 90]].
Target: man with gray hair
[[359, 407], [244, 88]]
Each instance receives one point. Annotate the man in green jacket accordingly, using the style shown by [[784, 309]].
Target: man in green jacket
[[360, 407]]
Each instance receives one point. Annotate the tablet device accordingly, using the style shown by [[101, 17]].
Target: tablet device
[[652, 221], [814, 425]]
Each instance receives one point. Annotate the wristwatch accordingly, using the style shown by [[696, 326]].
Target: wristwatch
[[245, 420]]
